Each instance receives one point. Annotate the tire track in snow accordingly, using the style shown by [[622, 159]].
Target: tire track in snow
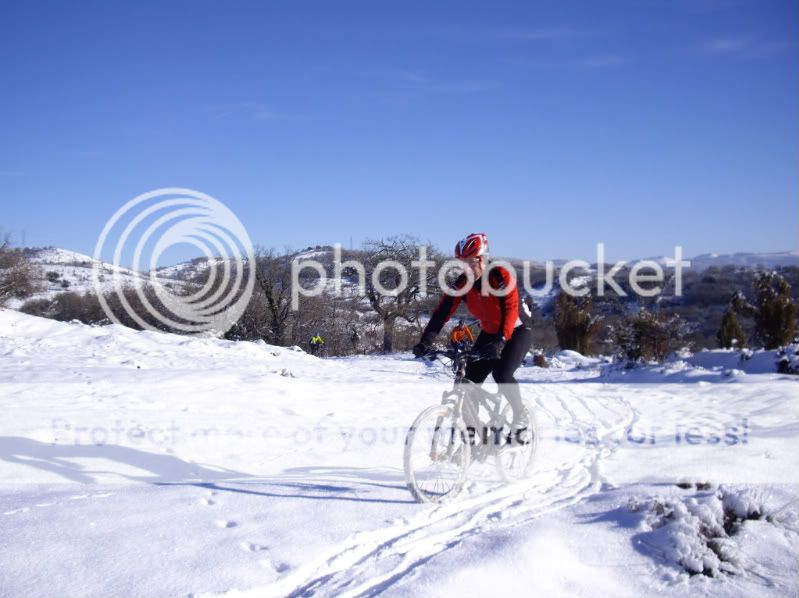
[[368, 563], [373, 561]]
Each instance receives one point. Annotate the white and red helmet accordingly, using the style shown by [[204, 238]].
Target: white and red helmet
[[474, 245]]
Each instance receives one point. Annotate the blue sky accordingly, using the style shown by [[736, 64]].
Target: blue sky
[[549, 125]]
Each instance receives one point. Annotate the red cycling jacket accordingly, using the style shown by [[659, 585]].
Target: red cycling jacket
[[497, 314]]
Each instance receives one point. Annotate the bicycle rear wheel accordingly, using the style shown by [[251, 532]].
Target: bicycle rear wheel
[[515, 459], [437, 455]]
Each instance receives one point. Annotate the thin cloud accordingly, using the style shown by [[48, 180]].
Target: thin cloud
[[603, 61], [746, 47], [529, 35], [266, 114], [402, 85], [726, 45], [395, 74], [463, 87], [252, 110], [413, 82], [509, 34], [769, 48], [413, 93]]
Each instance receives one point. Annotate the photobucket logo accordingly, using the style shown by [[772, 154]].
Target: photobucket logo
[[645, 277], [156, 221]]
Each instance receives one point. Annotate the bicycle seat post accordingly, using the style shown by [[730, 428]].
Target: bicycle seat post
[[459, 367]]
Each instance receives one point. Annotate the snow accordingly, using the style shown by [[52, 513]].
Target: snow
[[718, 365], [55, 255], [312, 254], [76, 270], [146, 464], [568, 359], [741, 259]]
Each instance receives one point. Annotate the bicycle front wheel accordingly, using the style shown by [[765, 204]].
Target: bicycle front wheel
[[437, 455]]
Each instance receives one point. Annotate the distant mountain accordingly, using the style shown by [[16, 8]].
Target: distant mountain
[[704, 261], [63, 269], [749, 260]]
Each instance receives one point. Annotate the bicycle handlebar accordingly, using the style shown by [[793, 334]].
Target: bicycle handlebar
[[453, 355]]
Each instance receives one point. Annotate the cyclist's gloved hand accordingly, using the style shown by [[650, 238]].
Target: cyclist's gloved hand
[[421, 349], [493, 348]]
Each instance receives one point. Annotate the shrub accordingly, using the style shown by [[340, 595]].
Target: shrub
[[66, 307], [773, 310], [574, 324], [730, 333], [647, 336]]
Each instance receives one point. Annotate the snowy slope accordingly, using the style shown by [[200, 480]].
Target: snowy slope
[[63, 270], [145, 464]]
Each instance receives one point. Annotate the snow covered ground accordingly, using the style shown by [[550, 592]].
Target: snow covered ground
[[146, 465]]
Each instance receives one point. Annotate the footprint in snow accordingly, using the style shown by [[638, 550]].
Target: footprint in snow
[[279, 567], [207, 501], [251, 547], [226, 524]]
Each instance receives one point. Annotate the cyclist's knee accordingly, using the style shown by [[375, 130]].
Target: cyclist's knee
[[504, 377]]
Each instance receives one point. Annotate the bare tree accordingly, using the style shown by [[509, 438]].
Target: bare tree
[[268, 312], [18, 276], [394, 298], [273, 278]]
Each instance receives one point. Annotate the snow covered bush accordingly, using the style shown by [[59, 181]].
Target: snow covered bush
[[788, 359], [698, 532], [649, 336], [774, 310]]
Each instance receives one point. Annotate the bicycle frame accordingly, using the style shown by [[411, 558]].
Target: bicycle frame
[[454, 444], [490, 432]]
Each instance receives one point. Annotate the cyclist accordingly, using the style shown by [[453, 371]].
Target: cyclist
[[503, 340], [316, 342], [460, 335]]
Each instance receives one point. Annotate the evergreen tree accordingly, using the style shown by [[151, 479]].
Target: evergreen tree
[[774, 310], [574, 324], [730, 334]]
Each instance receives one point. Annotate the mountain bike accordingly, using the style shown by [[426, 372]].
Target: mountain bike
[[471, 425]]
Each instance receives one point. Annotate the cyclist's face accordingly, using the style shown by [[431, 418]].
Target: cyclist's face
[[475, 264]]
